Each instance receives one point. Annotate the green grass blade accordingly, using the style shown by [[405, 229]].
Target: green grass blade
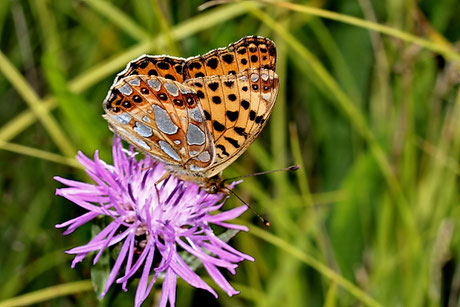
[[48, 294], [36, 105]]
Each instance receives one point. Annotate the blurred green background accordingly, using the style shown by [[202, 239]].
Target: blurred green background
[[369, 106]]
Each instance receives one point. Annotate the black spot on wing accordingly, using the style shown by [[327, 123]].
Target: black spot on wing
[[195, 65], [216, 99], [218, 126], [240, 131], [212, 63], [224, 150], [213, 86], [228, 58], [207, 115], [143, 64], [170, 77], [233, 142], [178, 68], [163, 65], [232, 116], [200, 94]]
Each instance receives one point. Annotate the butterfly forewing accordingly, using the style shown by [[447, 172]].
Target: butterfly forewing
[[245, 102], [163, 118], [161, 66], [249, 52]]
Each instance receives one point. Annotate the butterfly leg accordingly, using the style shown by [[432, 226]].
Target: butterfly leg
[[162, 178], [165, 175], [148, 167]]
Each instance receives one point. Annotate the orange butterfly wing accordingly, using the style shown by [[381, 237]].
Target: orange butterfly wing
[[248, 52], [236, 108], [167, 67]]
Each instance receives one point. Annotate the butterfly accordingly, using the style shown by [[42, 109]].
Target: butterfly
[[196, 115]]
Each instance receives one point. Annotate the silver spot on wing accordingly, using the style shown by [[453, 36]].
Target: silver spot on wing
[[123, 118], [154, 84], [204, 156], [195, 114], [195, 136], [264, 77], [172, 89], [185, 90], [168, 150], [254, 77], [135, 81], [266, 96], [164, 122], [146, 119], [134, 139], [125, 89], [143, 130]]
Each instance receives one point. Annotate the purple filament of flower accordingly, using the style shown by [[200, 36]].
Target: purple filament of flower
[[150, 220]]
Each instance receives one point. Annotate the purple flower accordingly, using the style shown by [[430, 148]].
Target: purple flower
[[162, 222]]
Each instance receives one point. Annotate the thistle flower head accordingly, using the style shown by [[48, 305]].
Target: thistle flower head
[[151, 221]]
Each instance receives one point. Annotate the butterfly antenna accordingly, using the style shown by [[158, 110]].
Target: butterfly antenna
[[290, 168], [263, 220]]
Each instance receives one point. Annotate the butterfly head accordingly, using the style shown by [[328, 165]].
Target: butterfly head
[[216, 184]]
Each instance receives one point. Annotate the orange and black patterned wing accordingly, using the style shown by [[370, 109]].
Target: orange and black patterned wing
[[163, 118], [236, 108], [249, 52], [167, 67]]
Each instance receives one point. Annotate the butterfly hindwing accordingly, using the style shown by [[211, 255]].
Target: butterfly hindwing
[[163, 118], [245, 103]]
